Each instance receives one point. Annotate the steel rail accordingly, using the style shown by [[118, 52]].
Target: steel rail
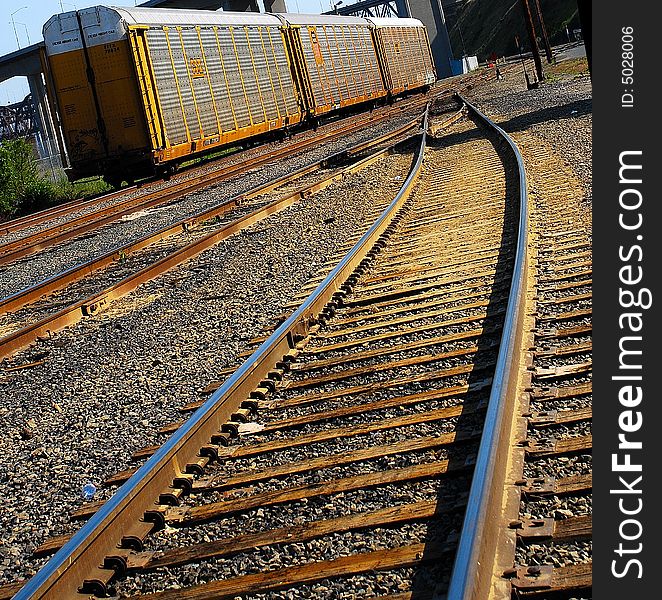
[[53, 212], [472, 570], [30, 294], [100, 300], [46, 238], [40, 240], [64, 573]]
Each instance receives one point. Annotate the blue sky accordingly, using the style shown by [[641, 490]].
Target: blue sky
[[29, 21]]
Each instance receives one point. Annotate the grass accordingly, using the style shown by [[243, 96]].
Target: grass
[[573, 66], [92, 186], [205, 158], [24, 190]]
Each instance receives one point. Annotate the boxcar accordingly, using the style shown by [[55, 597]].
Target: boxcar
[[140, 88], [337, 58], [404, 50]]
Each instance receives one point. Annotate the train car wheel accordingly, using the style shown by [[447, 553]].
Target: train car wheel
[[168, 171], [114, 180]]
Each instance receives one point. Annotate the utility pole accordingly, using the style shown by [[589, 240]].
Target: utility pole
[[543, 31], [584, 7], [532, 38]]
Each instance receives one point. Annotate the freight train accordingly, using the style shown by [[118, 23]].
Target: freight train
[[139, 90]]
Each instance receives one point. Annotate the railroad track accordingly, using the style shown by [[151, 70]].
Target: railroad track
[[91, 287], [339, 455], [91, 221], [39, 310], [546, 526], [76, 218], [115, 239], [226, 166]]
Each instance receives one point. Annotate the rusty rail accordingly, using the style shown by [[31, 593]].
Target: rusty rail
[[472, 572], [88, 306], [134, 502], [50, 213], [25, 246]]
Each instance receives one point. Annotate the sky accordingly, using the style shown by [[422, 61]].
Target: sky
[[29, 17]]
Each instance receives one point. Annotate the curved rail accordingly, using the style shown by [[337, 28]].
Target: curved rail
[[99, 537], [472, 570]]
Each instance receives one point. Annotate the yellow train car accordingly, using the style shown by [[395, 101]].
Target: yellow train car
[[404, 51], [138, 90], [337, 58]]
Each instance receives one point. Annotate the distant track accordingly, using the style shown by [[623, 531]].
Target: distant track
[[73, 311], [50, 236]]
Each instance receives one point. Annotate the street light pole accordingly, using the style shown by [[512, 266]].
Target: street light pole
[[14, 25], [27, 33]]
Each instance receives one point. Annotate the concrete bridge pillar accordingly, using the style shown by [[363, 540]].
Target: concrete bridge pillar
[[431, 13], [46, 135], [275, 6]]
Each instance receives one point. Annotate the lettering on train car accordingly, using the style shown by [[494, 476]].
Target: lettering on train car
[[111, 48], [98, 34], [197, 68], [67, 41]]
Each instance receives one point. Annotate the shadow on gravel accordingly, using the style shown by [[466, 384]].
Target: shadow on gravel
[[572, 110], [432, 575]]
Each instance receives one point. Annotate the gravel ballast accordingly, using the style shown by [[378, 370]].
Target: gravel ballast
[[51, 261], [109, 383], [553, 123], [114, 380]]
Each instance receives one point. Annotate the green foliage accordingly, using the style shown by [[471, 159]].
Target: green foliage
[[87, 187], [24, 190], [18, 172]]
